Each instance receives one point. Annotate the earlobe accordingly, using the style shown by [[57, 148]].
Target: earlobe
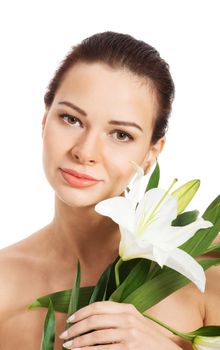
[[153, 154], [148, 163]]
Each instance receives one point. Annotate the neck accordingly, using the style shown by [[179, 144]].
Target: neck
[[84, 234]]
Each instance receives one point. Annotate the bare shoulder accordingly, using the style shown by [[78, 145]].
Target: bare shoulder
[[18, 263], [212, 296], [212, 291]]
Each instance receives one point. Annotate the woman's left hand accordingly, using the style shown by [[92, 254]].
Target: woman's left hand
[[114, 326]]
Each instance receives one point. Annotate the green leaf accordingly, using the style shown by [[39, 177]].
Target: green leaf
[[74, 298], [154, 179], [185, 218], [162, 285], [48, 337], [134, 279], [211, 208], [111, 285], [125, 269], [200, 242], [185, 193], [61, 299], [100, 288], [207, 331], [213, 248]]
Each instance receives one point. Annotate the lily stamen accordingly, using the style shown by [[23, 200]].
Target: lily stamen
[[143, 223]]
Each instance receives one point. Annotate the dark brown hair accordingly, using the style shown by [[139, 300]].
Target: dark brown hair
[[123, 51]]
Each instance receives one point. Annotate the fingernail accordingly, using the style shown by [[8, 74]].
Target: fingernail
[[68, 344], [63, 335], [71, 318]]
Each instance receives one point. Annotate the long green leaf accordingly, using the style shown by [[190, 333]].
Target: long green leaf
[[74, 298], [61, 299], [135, 279], [161, 286], [48, 337], [111, 285], [200, 242], [213, 248], [100, 288], [212, 206], [207, 331], [185, 193], [125, 269], [154, 179]]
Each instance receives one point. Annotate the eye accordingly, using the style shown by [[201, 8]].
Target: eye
[[69, 119], [122, 136]]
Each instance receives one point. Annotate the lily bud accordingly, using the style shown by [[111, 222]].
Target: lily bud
[[185, 194]]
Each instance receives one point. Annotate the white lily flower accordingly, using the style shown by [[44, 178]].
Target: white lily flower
[[206, 343], [146, 230]]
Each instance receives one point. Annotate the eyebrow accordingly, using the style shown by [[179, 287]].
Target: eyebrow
[[122, 122], [71, 105], [112, 122]]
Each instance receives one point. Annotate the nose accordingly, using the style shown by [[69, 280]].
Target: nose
[[87, 149]]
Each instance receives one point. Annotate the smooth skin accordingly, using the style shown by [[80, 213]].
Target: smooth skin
[[100, 145]]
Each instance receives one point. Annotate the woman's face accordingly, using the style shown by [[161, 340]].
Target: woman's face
[[100, 120]]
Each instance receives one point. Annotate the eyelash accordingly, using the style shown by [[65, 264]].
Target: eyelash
[[63, 115], [130, 138], [118, 131]]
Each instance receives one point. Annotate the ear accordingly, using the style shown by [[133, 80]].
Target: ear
[[44, 122], [152, 154]]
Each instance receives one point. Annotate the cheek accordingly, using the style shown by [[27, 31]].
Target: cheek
[[120, 169], [54, 142], [52, 151], [122, 158]]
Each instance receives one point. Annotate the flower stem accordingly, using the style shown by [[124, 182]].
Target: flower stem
[[117, 265], [174, 331]]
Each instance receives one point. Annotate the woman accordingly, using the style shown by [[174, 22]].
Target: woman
[[108, 104]]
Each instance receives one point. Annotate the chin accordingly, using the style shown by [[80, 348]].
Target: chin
[[78, 198]]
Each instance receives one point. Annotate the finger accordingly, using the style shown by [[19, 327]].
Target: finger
[[99, 337], [97, 322], [102, 307], [103, 347]]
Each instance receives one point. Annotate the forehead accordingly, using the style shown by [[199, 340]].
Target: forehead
[[96, 87]]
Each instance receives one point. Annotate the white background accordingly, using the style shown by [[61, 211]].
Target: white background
[[36, 35]]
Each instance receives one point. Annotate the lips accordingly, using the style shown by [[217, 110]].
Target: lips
[[77, 180], [79, 175]]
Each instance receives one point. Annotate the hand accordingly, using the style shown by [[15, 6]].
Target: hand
[[114, 326]]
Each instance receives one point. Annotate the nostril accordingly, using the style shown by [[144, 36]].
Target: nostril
[[82, 159]]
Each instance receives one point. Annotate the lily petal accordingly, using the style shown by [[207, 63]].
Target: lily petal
[[165, 213], [187, 266], [160, 255], [119, 210], [176, 236], [131, 248], [206, 343]]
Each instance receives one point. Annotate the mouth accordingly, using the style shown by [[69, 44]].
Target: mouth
[[76, 179], [77, 174]]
